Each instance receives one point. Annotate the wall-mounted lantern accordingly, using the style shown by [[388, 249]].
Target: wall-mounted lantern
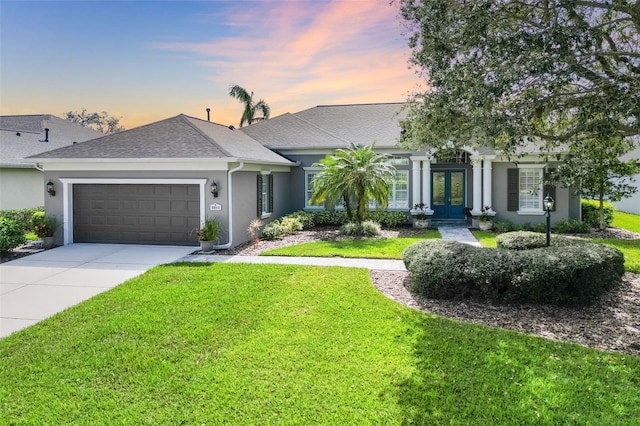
[[50, 189], [214, 189]]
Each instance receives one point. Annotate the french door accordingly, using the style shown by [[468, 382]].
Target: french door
[[447, 195]]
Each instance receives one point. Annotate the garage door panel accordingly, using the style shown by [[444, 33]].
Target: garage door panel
[[139, 214]]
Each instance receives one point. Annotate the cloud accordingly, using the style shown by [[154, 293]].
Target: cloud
[[302, 53]]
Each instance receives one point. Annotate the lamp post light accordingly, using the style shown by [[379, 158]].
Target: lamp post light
[[548, 205]]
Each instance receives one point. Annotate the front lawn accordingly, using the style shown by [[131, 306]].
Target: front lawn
[[267, 344], [372, 248], [628, 221]]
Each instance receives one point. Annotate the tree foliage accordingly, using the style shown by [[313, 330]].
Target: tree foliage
[[353, 176], [594, 169], [102, 122], [250, 107], [503, 73]]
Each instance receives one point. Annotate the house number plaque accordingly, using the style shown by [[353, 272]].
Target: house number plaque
[[215, 207]]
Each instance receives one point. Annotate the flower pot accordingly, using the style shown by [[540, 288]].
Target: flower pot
[[48, 242], [421, 223], [207, 246], [485, 225]]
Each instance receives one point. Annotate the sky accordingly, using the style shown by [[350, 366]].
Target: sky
[[145, 61]]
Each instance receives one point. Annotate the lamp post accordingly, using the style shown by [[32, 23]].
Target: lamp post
[[548, 205]]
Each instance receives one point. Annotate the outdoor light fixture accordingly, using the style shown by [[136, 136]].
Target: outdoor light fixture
[[214, 189], [50, 189], [548, 206]]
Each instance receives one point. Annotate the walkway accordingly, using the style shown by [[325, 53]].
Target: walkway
[[458, 233]]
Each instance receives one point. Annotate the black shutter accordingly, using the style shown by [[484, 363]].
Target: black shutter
[[259, 195], [513, 190], [550, 189], [270, 193]]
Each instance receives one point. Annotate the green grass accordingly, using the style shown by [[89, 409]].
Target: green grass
[[278, 344], [628, 221], [374, 248], [486, 239]]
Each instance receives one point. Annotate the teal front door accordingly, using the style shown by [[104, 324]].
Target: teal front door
[[447, 194]]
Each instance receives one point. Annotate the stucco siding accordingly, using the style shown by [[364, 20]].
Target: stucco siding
[[21, 188], [631, 204]]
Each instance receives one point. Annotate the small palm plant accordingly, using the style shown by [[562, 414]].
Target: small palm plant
[[210, 231]]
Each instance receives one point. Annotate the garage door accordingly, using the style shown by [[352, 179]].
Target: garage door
[[136, 214]]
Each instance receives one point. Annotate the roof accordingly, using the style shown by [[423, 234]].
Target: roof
[[332, 126], [22, 136], [177, 137]]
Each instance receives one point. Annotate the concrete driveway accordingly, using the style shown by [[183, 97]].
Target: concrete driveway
[[37, 286]]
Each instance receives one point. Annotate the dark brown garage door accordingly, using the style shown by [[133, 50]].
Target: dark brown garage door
[[136, 214]]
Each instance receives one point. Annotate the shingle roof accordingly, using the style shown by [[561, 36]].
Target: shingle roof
[[22, 136], [331, 126], [176, 137]]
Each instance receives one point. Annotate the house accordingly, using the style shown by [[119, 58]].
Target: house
[[21, 181], [155, 184], [631, 204]]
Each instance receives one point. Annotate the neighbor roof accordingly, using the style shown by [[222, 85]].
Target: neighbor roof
[[177, 137], [22, 136], [332, 126]]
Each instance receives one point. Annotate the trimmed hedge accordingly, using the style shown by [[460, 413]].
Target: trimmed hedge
[[23, 216], [567, 273]]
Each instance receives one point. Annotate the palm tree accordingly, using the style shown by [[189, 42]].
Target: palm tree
[[250, 108], [353, 175]]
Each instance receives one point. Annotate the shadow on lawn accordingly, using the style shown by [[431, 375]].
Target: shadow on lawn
[[468, 374]]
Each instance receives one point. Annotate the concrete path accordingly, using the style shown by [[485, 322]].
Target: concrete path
[[37, 286], [458, 233]]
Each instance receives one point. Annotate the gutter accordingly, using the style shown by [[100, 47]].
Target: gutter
[[230, 210]]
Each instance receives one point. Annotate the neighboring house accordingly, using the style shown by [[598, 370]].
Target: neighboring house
[[156, 183], [21, 181], [631, 204], [152, 184]]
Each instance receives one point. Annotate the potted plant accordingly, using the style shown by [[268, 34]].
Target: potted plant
[[421, 215], [208, 234], [45, 228], [485, 219]]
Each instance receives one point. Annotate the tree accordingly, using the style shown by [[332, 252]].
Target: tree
[[594, 168], [250, 107], [353, 175], [503, 73], [101, 122]]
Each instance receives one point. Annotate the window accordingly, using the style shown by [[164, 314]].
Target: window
[[265, 195], [399, 198], [309, 174], [530, 189]]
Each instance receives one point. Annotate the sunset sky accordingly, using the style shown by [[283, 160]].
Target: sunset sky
[[145, 61]]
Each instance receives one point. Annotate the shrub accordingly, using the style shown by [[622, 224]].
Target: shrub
[[274, 231], [591, 213], [329, 218], [305, 218], [23, 216], [291, 224], [42, 225], [367, 228], [571, 227], [505, 226], [389, 219], [11, 234], [570, 272]]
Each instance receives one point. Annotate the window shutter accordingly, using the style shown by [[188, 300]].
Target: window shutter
[[270, 177], [513, 190], [550, 189], [259, 193]]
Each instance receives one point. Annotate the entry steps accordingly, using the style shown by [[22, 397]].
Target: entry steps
[[436, 223]]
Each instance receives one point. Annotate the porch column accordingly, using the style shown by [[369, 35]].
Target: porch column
[[486, 182], [477, 184], [426, 182], [415, 181]]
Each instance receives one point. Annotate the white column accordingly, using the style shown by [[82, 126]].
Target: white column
[[415, 182], [477, 185], [486, 183], [426, 182]]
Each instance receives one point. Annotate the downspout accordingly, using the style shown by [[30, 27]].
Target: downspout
[[229, 201]]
